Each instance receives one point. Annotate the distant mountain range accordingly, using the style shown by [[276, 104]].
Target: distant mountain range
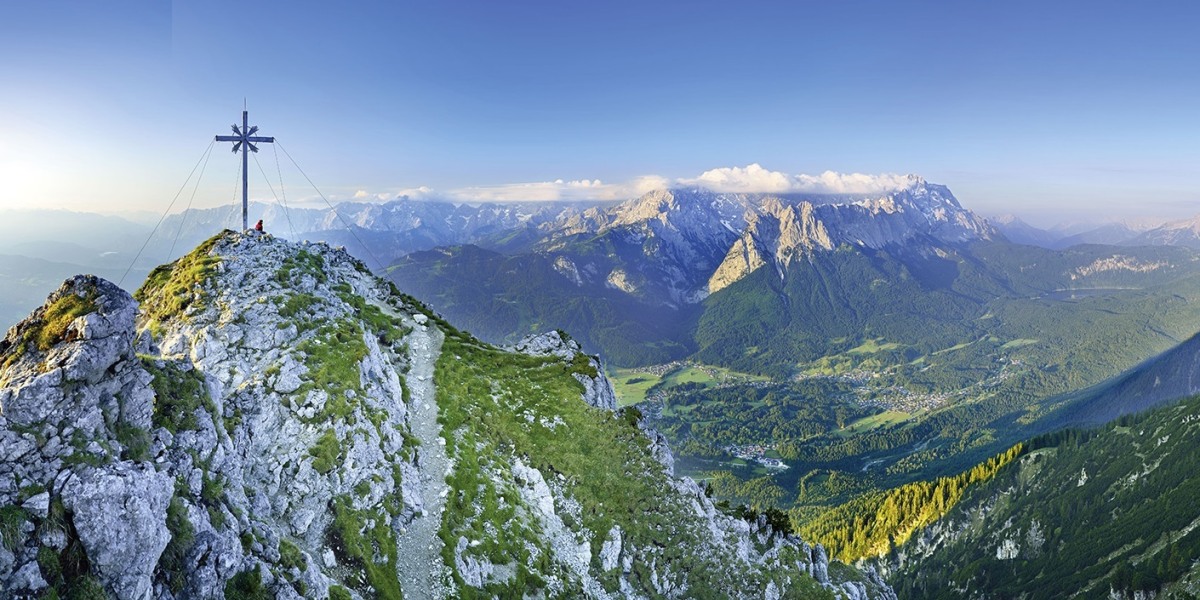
[[1183, 232], [388, 230]]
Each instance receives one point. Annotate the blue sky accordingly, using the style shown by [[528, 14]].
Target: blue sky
[[1049, 110]]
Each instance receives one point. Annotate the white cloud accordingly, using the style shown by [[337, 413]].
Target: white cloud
[[648, 183], [754, 178], [559, 189], [830, 182], [423, 192]]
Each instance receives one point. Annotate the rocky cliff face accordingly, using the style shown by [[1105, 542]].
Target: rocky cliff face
[[269, 418]]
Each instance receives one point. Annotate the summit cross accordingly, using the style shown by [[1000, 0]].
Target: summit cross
[[244, 140]]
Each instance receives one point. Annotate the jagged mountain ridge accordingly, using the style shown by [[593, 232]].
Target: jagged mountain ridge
[[1184, 232], [267, 419], [632, 279], [684, 244]]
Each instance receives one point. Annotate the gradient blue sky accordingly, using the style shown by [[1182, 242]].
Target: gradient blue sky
[[1051, 110]]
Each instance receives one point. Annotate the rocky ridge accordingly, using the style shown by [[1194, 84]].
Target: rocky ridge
[[264, 422]]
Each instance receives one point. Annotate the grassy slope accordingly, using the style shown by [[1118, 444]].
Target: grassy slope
[[498, 405]]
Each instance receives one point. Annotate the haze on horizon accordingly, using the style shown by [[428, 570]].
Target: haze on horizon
[[1051, 112]]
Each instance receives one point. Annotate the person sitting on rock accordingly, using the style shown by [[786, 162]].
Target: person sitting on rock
[[258, 225]]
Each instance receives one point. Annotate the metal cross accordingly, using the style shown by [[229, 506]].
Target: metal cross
[[245, 140]]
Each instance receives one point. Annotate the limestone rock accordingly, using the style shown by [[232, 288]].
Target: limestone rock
[[28, 578], [120, 513], [610, 551], [743, 258], [474, 571], [552, 343], [38, 505], [820, 562]]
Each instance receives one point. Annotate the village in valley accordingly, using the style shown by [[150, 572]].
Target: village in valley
[[756, 453]]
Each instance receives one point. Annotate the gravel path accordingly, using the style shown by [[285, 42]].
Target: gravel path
[[422, 572]]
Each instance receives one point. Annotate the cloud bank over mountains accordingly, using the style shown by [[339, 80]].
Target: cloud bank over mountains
[[753, 178]]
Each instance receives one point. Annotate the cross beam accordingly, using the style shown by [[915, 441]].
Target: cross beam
[[244, 140]]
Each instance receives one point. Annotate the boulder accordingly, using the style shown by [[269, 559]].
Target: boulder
[[120, 513]]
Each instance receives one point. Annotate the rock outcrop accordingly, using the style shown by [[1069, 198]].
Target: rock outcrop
[[120, 514], [597, 389]]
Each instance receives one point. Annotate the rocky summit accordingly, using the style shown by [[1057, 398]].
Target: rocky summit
[[269, 419]]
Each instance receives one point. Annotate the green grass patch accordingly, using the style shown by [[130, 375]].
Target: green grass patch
[[865, 424], [874, 346], [631, 385], [170, 289], [247, 585], [582, 364], [183, 535], [358, 545], [178, 392], [296, 304], [52, 328], [212, 489], [135, 440], [290, 556], [302, 262], [958, 346], [1018, 343], [11, 518], [332, 357], [388, 329], [59, 316], [327, 453]]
